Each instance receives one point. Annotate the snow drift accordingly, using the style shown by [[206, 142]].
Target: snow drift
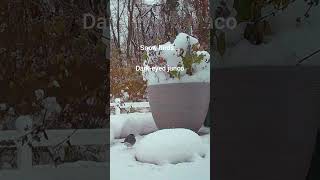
[[136, 123], [170, 146]]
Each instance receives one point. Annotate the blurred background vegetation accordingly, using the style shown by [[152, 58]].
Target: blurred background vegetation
[[43, 45]]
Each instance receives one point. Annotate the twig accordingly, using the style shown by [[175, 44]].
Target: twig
[[44, 117], [307, 57], [66, 139], [311, 4], [273, 13]]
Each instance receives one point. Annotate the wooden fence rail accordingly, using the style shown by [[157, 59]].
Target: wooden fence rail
[[80, 137], [118, 106]]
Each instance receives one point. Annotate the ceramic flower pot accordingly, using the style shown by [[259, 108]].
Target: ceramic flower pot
[[179, 105]]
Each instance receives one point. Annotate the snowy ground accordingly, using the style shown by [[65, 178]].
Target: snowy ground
[[123, 164], [290, 41], [79, 171]]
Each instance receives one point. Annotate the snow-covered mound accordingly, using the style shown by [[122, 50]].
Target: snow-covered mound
[[182, 53], [170, 146], [136, 123], [23, 123], [124, 165]]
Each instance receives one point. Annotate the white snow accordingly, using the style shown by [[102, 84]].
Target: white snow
[[124, 165], [122, 125], [11, 111], [77, 171], [39, 93], [170, 146], [289, 42], [151, 2], [23, 123], [117, 100], [51, 105], [55, 84], [183, 40], [172, 54], [125, 95]]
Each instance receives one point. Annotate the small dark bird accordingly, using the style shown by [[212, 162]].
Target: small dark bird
[[130, 140]]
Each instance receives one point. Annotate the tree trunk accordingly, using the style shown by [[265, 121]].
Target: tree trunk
[[118, 25], [115, 40], [130, 26]]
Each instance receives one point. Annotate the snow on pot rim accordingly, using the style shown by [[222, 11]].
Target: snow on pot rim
[[170, 146], [199, 77]]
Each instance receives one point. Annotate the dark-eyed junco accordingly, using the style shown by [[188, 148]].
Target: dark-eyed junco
[[130, 140]]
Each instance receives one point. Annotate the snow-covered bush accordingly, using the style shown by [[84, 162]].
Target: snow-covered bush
[[191, 64], [170, 146], [118, 104], [39, 94]]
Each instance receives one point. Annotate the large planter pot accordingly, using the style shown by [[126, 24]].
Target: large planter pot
[[179, 105]]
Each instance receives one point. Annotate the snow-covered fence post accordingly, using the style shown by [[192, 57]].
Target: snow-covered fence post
[[24, 157], [117, 106], [81, 137], [117, 110]]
